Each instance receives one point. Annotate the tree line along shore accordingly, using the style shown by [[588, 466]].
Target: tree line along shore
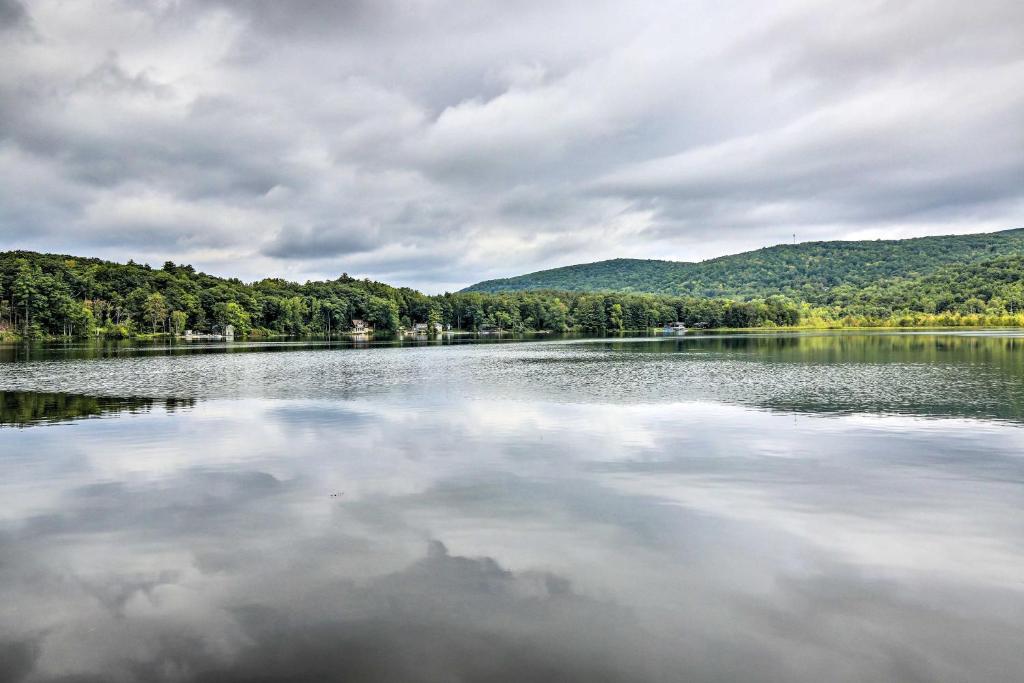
[[49, 295]]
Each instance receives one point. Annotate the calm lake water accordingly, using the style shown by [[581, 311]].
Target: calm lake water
[[797, 507]]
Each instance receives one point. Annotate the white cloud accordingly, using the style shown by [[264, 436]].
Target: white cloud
[[437, 144]]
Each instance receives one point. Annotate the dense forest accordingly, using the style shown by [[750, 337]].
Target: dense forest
[[799, 271], [53, 295], [44, 295]]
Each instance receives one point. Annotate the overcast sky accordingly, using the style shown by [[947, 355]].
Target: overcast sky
[[433, 144]]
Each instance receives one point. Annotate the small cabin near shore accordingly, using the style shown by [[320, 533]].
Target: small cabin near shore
[[360, 327], [229, 334], [427, 328]]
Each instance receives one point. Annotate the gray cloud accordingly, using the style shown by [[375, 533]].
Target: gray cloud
[[843, 44], [311, 243], [12, 15], [436, 144]]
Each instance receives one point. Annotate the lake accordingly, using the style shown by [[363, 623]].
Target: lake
[[764, 507]]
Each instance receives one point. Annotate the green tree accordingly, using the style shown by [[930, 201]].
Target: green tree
[[383, 314], [502, 320], [590, 314], [232, 313], [155, 310], [24, 290], [179, 319], [615, 317], [435, 316]]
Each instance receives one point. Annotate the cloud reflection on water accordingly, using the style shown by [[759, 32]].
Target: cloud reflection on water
[[509, 540]]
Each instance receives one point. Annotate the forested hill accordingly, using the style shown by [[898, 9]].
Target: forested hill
[[51, 295], [60, 294], [801, 271]]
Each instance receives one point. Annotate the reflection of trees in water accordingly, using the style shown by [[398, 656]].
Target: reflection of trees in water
[[1000, 351], [928, 375], [979, 375], [27, 408]]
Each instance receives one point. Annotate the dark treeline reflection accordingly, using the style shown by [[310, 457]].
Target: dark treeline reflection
[[27, 408], [931, 375], [819, 346], [827, 347], [979, 375]]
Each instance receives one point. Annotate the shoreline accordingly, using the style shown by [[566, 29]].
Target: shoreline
[[7, 337]]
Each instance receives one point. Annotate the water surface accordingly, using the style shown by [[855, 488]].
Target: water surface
[[795, 507]]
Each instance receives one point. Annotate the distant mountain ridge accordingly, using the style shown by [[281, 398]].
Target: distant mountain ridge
[[798, 270]]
